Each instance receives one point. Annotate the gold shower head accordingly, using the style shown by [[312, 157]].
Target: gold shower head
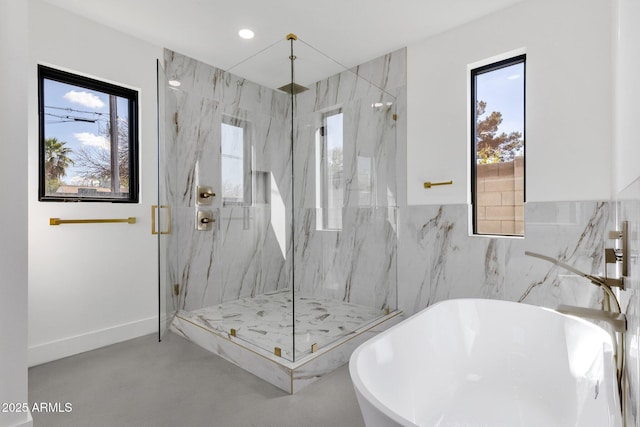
[[293, 89]]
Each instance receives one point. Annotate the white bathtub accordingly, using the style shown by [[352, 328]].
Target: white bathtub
[[487, 363]]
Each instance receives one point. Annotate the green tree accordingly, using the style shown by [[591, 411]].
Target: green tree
[[492, 147], [56, 162]]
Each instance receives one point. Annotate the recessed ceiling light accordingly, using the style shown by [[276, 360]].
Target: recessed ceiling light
[[246, 33], [174, 83]]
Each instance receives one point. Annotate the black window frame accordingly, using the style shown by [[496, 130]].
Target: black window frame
[[49, 73], [522, 58]]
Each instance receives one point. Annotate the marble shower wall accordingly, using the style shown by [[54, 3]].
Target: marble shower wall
[[242, 256], [356, 263]]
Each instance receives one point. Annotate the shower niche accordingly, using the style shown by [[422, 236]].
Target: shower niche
[[297, 264]]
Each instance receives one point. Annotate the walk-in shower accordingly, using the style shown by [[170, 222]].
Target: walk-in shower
[[277, 208]]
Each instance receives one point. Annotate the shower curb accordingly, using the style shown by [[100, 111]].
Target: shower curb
[[290, 377]]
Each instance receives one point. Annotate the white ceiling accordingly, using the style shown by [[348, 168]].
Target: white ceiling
[[349, 32]]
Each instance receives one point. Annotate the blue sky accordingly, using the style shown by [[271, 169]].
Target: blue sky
[[64, 105], [334, 132], [502, 90]]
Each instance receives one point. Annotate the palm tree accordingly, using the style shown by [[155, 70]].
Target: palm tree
[[56, 162]]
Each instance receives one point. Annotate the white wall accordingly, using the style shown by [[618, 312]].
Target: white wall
[[626, 59], [95, 284], [13, 216], [569, 85]]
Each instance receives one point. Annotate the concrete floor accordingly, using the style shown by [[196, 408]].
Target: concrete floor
[[142, 382]]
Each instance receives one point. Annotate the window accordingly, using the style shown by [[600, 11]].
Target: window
[[330, 178], [236, 162], [88, 139], [498, 136]]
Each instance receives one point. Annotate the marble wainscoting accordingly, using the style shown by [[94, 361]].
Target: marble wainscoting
[[439, 260], [628, 207]]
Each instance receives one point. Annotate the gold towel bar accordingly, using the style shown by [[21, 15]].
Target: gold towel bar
[[430, 184], [58, 221]]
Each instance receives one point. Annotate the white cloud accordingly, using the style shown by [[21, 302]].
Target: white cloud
[[93, 140], [85, 99]]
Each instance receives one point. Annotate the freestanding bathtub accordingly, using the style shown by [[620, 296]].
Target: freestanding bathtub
[[487, 363]]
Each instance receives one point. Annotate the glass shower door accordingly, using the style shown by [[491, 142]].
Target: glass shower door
[[345, 210], [161, 212]]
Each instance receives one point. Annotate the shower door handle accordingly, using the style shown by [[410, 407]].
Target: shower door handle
[[155, 213]]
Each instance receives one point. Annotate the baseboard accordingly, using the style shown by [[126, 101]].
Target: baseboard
[[65, 347]]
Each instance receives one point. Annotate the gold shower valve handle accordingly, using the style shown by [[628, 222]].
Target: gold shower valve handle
[[430, 184], [204, 220], [204, 195]]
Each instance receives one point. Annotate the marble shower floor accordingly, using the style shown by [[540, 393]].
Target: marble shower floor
[[266, 321]]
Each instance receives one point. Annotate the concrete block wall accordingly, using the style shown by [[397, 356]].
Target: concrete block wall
[[500, 197]]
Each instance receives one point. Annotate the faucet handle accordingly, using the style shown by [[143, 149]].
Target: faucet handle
[[611, 256], [615, 283], [204, 195], [623, 235], [615, 234]]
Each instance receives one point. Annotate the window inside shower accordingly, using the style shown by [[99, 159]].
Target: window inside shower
[[235, 152], [330, 161]]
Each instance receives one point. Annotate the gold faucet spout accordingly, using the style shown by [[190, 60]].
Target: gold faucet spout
[[612, 314], [618, 321]]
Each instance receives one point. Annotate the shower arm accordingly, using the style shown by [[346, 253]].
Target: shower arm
[[602, 282]]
